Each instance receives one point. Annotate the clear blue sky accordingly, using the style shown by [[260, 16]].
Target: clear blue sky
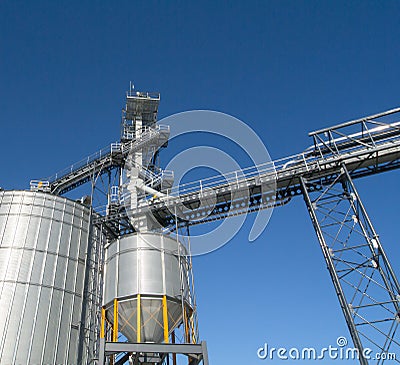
[[283, 67]]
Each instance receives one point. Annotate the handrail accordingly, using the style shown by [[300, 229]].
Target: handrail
[[384, 133], [356, 121], [107, 151], [301, 160]]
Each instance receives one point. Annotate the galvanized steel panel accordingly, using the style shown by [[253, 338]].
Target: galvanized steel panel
[[43, 248]]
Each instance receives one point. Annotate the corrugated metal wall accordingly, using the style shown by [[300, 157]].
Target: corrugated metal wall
[[43, 249]]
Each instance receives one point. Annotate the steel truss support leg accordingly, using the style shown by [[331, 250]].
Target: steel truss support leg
[[91, 317], [364, 281]]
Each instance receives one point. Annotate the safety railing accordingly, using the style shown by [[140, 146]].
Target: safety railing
[[310, 159], [326, 148], [106, 151], [147, 95], [354, 135], [117, 147]]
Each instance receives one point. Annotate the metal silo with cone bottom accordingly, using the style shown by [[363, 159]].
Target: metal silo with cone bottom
[[146, 289]]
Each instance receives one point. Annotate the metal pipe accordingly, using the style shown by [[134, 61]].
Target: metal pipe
[[141, 186]]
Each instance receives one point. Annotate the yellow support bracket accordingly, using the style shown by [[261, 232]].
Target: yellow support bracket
[[115, 325], [138, 320], [165, 318], [103, 321], [186, 325]]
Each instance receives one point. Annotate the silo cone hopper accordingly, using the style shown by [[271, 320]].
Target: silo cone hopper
[[146, 287]]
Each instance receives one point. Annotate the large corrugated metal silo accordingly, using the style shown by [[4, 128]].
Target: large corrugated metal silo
[[44, 245]]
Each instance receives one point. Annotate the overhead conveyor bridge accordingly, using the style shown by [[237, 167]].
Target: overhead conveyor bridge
[[100, 162], [365, 146]]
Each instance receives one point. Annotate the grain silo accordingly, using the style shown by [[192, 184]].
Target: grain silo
[[44, 280], [145, 276]]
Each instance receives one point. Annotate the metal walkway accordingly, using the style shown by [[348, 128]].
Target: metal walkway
[[365, 146], [100, 162]]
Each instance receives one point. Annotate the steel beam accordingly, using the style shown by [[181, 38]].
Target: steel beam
[[196, 352]]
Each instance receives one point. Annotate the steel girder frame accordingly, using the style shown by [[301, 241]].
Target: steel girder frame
[[196, 353], [364, 281]]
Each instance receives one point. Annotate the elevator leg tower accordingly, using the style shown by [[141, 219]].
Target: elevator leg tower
[[364, 281]]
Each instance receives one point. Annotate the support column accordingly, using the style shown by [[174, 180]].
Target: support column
[[366, 286], [115, 323], [165, 319], [138, 320]]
